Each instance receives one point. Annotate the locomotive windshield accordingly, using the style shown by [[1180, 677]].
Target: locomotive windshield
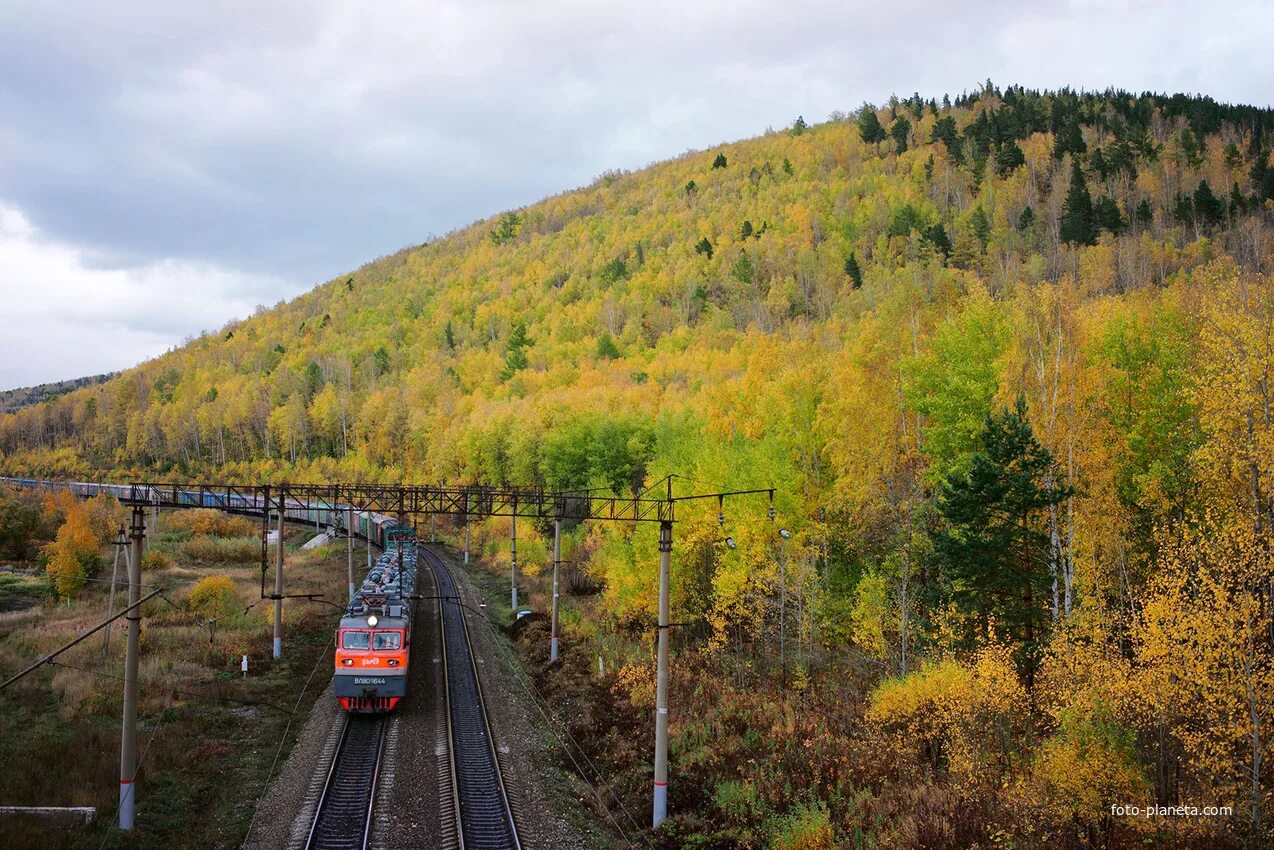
[[387, 640], [356, 640]]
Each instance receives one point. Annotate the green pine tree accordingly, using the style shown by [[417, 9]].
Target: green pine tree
[[936, 235], [854, 271], [606, 348], [981, 226], [1026, 219], [869, 126], [515, 359], [995, 549], [1078, 224], [1109, 216], [899, 131], [1009, 158]]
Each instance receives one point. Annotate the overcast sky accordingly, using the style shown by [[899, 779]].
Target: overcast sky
[[165, 167]]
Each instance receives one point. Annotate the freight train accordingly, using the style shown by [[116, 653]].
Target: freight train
[[369, 526], [373, 641]]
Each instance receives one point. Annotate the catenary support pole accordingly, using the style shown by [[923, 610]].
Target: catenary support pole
[[661, 679], [349, 546], [368, 516], [557, 560], [120, 549], [278, 579], [513, 557], [128, 731]]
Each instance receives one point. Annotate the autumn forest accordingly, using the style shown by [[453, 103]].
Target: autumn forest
[[1007, 359]]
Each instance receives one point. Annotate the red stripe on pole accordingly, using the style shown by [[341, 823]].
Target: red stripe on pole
[[661, 784], [126, 782]]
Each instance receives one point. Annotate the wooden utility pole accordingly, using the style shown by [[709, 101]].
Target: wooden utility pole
[[557, 560], [128, 732]]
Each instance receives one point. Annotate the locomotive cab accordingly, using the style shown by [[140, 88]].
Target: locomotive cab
[[372, 652]]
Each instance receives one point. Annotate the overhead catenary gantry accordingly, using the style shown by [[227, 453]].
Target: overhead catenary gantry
[[467, 501]]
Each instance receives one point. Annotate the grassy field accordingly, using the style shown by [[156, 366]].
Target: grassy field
[[209, 736]]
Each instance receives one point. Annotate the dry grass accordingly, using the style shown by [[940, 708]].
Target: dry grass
[[67, 719]]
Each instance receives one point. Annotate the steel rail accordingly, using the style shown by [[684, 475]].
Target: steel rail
[[476, 775], [343, 816]]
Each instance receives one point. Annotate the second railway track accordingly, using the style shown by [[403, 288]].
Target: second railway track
[[343, 818], [486, 818]]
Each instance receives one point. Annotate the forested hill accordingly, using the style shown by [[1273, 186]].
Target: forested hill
[[20, 397], [650, 292], [1007, 360]]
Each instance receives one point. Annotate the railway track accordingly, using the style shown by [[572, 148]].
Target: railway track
[[482, 801], [343, 818]]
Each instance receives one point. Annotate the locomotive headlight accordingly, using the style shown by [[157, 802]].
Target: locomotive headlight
[[348, 662], [372, 621], [393, 662]]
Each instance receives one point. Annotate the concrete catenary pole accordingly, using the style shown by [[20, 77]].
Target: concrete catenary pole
[[110, 604], [661, 679], [349, 546], [368, 515], [278, 579], [513, 556], [466, 527], [128, 730], [557, 560]]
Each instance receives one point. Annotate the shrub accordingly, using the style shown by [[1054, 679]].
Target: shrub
[[212, 597], [156, 559], [1089, 765], [958, 717], [214, 550], [212, 522], [805, 827]]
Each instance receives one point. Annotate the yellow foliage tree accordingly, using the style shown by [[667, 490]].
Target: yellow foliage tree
[[212, 596], [1205, 670]]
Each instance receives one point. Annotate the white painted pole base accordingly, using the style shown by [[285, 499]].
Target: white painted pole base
[[515, 599], [278, 647], [661, 803], [552, 649], [125, 804]]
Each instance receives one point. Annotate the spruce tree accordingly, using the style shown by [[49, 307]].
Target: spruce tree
[[853, 270], [1109, 216], [936, 235], [944, 130], [994, 551], [981, 226], [1208, 210], [515, 358], [869, 126], [1078, 221], [900, 130], [1070, 140], [1026, 219], [1009, 158], [1145, 213]]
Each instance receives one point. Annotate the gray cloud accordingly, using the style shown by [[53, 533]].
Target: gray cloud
[[286, 142]]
